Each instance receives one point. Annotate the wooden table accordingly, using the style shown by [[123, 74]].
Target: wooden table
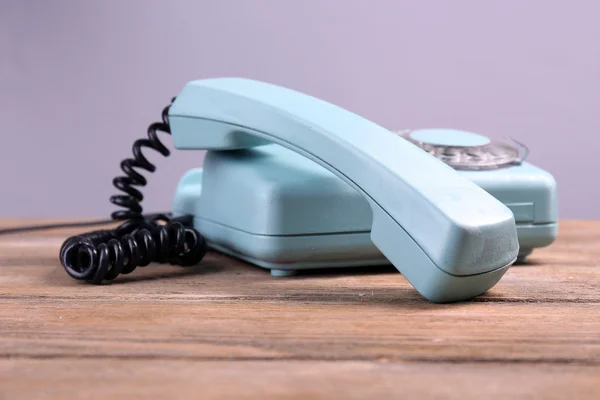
[[225, 329]]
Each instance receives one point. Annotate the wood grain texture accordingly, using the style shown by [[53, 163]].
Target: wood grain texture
[[225, 329]]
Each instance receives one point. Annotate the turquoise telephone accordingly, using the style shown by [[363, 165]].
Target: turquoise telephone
[[292, 182]]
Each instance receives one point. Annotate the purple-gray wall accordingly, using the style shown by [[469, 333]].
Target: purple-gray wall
[[80, 80]]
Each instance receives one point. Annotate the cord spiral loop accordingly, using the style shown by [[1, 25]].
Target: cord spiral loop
[[139, 240]]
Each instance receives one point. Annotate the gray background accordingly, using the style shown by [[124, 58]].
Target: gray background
[[80, 80]]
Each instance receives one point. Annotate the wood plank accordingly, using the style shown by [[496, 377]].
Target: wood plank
[[144, 379], [281, 330]]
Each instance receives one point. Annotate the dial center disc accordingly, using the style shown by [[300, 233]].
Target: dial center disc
[[449, 137]]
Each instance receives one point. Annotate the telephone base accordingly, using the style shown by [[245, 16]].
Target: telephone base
[[280, 211]]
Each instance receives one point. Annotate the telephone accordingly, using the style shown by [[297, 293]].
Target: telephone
[[292, 182], [316, 220]]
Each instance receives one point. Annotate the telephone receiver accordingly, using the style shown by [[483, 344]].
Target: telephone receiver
[[450, 238]]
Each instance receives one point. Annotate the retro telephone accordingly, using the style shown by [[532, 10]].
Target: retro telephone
[[291, 182]]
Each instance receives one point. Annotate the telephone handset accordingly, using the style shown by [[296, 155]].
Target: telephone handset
[[449, 238]]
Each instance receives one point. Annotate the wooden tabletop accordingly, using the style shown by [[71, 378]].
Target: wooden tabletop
[[225, 329]]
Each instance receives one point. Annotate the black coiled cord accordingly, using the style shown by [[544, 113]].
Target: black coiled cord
[[104, 254]]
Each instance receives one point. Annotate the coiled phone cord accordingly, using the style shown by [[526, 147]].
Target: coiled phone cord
[[140, 240]]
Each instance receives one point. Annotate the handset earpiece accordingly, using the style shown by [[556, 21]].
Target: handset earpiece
[[447, 236]]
